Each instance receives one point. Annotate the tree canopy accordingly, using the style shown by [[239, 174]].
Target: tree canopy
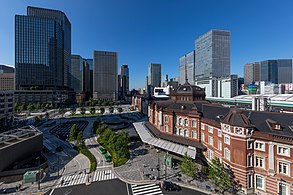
[[188, 166]]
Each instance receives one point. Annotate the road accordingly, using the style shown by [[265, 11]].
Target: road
[[109, 187], [117, 187]]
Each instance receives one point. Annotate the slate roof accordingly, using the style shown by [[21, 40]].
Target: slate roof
[[216, 113]]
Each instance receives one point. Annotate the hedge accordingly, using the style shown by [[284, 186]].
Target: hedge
[[93, 162]]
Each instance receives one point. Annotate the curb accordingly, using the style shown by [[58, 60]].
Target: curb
[[129, 181], [192, 187]]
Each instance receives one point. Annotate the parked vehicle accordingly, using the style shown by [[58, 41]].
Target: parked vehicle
[[169, 186]]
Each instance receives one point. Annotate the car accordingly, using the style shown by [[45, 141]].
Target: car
[[169, 186], [107, 157], [103, 151], [59, 149]]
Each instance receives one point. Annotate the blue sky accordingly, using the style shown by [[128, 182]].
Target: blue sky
[[160, 31]]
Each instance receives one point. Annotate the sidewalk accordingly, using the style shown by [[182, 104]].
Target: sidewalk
[[142, 168]]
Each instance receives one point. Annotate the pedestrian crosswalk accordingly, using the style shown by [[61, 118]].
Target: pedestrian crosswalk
[[146, 189], [82, 177], [70, 180], [103, 175]]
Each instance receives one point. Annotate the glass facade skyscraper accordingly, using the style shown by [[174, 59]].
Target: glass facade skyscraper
[[276, 71], [187, 68], [212, 55], [42, 49]]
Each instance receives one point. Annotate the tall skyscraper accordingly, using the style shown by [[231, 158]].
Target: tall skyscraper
[[42, 49], [251, 73], [212, 55], [124, 81], [276, 71], [154, 76], [105, 75], [187, 68], [77, 73], [91, 64]]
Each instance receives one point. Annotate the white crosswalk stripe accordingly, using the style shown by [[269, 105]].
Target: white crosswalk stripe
[[71, 180], [146, 189], [101, 175]]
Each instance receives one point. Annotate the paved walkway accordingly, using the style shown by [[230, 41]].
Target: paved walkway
[[142, 168]]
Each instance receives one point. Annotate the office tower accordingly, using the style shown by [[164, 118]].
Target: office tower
[[77, 73], [251, 73], [91, 64], [124, 81], [187, 68], [285, 71], [105, 75], [86, 78], [212, 55], [42, 49], [7, 77], [154, 76], [6, 109], [276, 71]]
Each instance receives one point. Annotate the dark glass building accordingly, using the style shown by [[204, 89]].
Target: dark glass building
[[276, 71], [42, 50]]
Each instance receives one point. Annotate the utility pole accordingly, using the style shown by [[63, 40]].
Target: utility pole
[[39, 178], [158, 168]]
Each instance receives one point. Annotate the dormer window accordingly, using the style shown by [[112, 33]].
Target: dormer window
[[278, 127], [274, 125]]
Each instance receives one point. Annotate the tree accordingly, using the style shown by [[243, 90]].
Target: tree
[[93, 103], [219, 175], [188, 166], [48, 106], [79, 137], [106, 135], [30, 107], [102, 110], [73, 132], [101, 129], [111, 110], [119, 109], [38, 105], [82, 111], [93, 110]]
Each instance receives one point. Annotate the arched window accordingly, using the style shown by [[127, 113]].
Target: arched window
[[186, 122], [175, 131], [185, 133], [180, 121]]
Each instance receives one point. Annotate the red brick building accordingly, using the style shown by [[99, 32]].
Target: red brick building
[[257, 146]]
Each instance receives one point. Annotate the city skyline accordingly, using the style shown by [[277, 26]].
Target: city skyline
[[139, 43]]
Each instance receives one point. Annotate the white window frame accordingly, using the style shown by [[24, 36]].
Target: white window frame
[[193, 123], [211, 140], [202, 136], [220, 133], [287, 187], [249, 141], [263, 182], [210, 154], [281, 153], [263, 148], [166, 128], [186, 122], [257, 161], [211, 129], [220, 145], [166, 119], [202, 126], [228, 138], [287, 165], [193, 132], [249, 181], [249, 160], [226, 152]]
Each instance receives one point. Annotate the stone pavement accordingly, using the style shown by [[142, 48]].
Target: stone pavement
[[143, 168]]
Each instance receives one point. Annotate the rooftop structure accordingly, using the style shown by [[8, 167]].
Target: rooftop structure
[[21, 142]]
